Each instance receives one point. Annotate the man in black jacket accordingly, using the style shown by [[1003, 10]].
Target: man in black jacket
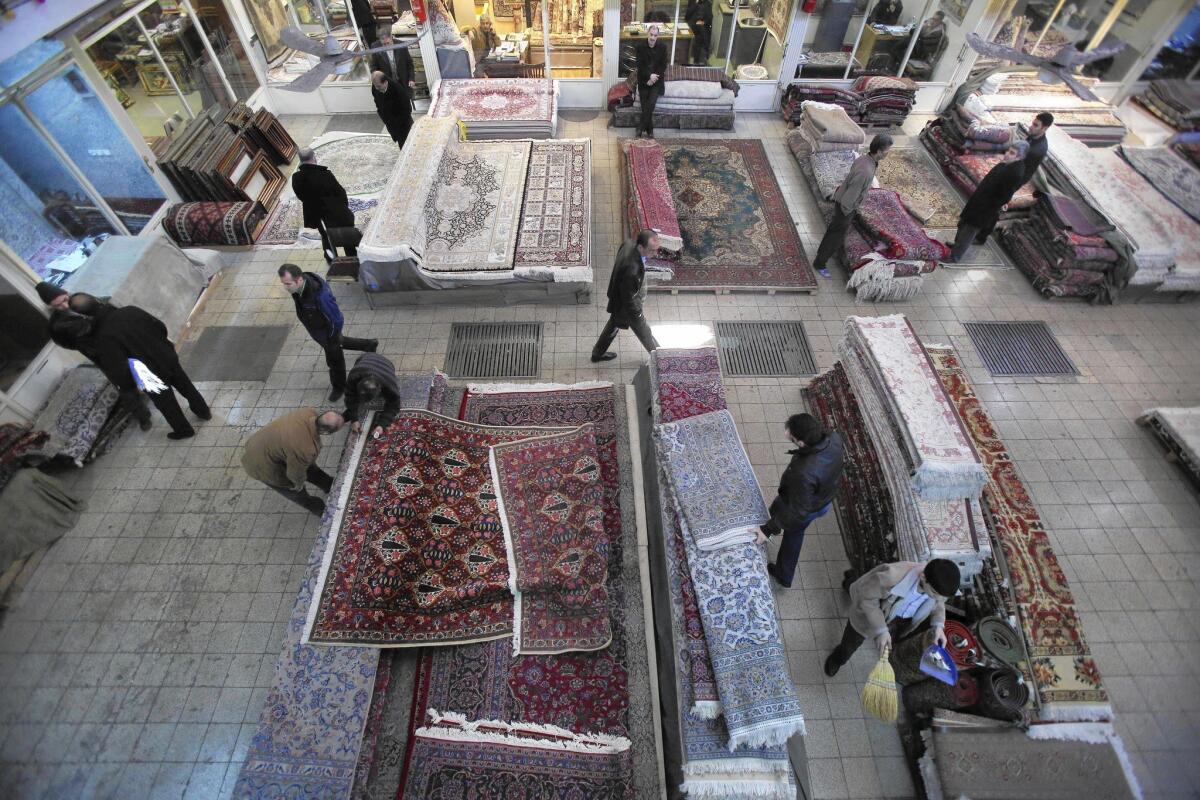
[[982, 211], [318, 311], [371, 378], [806, 489], [699, 17], [393, 106], [626, 294], [323, 199], [396, 64], [128, 332], [364, 18], [651, 69]]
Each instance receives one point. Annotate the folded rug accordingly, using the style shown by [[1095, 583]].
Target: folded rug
[[882, 217], [685, 383], [451, 757], [832, 123], [550, 501], [76, 414], [830, 169], [719, 498], [652, 200], [944, 463]]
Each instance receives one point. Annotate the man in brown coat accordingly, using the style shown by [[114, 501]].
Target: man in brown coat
[[283, 455], [890, 592]]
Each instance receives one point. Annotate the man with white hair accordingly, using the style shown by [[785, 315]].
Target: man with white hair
[[651, 68], [982, 211], [323, 199]]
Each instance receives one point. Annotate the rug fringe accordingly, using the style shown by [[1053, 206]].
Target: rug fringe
[[510, 550], [462, 729], [934, 480], [505, 388], [876, 281], [706, 709], [774, 735], [730, 787], [1075, 712], [1091, 733]]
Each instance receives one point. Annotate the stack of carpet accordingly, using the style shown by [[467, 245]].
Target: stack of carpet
[[1179, 430], [647, 193], [825, 127], [966, 168], [1016, 97], [83, 418], [1176, 102], [886, 99], [797, 94], [736, 703], [929, 465], [499, 108], [692, 97], [1061, 248], [970, 127]]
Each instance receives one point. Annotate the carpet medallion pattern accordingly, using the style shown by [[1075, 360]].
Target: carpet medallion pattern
[[687, 383], [362, 163], [496, 99]]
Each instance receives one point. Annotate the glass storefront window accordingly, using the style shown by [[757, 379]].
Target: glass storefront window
[[829, 36], [17, 66], [235, 62], [1180, 55], [49, 219], [23, 334], [78, 120]]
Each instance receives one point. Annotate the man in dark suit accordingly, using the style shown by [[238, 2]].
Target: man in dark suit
[[364, 18], [392, 105], [651, 69], [396, 64], [982, 211], [323, 199], [699, 17], [626, 294]]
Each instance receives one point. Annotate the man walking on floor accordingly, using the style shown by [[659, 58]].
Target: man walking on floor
[[651, 69], [122, 333], [891, 592], [323, 200], [1038, 146], [626, 296], [982, 211], [847, 198], [283, 455], [318, 312], [806, 490]]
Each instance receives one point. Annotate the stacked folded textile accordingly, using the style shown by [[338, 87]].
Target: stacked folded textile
[[500, 108], [648, 200], [732, 733], [826, 127], [1061, 249], [929, 466], [692, 97], [970, 127], [1015, 97], [967, 168], [886, 100], [1176, 102], [796, 94]]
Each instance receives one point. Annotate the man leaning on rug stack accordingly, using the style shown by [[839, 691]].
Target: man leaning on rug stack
[[848, 197]]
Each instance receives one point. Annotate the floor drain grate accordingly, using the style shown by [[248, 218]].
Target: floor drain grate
[[494, 350], [753, 349], [1019, 349]]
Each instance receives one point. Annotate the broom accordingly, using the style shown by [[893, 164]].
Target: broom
[[879, 696]]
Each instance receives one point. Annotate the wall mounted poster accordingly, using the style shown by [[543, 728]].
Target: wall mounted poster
[[268, 18]]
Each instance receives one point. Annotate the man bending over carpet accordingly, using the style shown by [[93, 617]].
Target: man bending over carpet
[[283, 455]]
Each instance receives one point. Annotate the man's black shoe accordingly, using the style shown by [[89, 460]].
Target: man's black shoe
[[609, 356], [774, 572]]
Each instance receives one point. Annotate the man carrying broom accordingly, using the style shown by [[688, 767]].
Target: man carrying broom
[[903, 590]]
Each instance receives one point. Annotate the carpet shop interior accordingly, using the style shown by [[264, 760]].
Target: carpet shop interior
[[539, 561]]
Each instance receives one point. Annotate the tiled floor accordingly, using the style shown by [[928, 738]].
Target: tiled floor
[[136, 662]]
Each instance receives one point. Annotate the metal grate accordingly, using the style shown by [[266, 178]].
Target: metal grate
[[1012, 349], [751, 349], [494, 350]]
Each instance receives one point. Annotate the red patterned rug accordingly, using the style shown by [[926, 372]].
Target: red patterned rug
[[687, 383], [420, 555], [736, 228], [551, 501], [1065, 675], [649, 198]]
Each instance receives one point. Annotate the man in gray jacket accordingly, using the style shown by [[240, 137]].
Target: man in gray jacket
[[902, 590], [847, 199]]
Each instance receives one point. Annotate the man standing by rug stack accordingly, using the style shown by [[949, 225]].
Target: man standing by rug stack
[[699, 17], [283, 455], [318, 312], [651, 67], [1038, 145], [323, 199], [626, 296], [847, 198], [892, 592], [806, 490], [982, 211]]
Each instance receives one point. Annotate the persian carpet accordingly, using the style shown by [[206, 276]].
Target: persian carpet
[[473, 209], [989, 764], [311, 729], [717, 492], [203, 223], [551, 504], [76, 414], [605, 690], [286, 221], [829, 170], [1169, 173], [943, 459], [555, 221], [911, 172], [362, 162], [453, 758], [882, 217], [685, 383], [420, 557], [497, 99], [650, 192], [1065, 675], [735, 224]]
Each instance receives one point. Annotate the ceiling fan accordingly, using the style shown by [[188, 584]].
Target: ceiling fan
[[1058, 67], [334, 60]]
